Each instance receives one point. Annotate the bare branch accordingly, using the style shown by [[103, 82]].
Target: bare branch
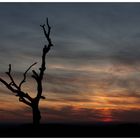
[[8, 85], [49, 28], [35, 74], [46, 49], [9, 68], [24, 75], [22, 94], [42, 97], [11, 78], [19, 93], [47, 34], [21, 99]]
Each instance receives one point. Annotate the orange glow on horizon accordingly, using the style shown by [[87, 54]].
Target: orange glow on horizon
[[106, 115]]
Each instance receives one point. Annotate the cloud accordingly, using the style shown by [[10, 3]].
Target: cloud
[[69, 114], [127, 115], [102, 32], [15, 112]]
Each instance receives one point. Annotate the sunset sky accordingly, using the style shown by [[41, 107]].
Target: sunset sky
[[93, 70]]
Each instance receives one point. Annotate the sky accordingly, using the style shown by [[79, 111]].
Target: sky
[[93, 69]]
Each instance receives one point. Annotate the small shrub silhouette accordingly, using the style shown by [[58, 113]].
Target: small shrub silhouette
[[17, 88]]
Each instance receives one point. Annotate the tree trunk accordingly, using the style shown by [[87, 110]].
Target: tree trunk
[[36, 115]]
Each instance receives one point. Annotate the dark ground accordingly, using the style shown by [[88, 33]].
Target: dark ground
[[101, 130]]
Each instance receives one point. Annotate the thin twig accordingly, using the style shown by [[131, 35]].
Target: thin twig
[[24, 75]]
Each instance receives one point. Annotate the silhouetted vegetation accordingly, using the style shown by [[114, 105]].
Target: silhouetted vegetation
[[24, 97]]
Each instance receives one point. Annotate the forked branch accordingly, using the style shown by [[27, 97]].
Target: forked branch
[[11, 78], [47, 34], [12, 86]]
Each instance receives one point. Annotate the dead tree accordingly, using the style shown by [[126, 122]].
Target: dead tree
[[24, 97]]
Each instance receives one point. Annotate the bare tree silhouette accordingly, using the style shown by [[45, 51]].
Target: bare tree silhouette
[[17, 88]]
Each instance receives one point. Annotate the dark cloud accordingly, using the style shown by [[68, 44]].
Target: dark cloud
[[70, 114], [65, 114], [127, 115], [100, 31], [70, 99], [15, 115]]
